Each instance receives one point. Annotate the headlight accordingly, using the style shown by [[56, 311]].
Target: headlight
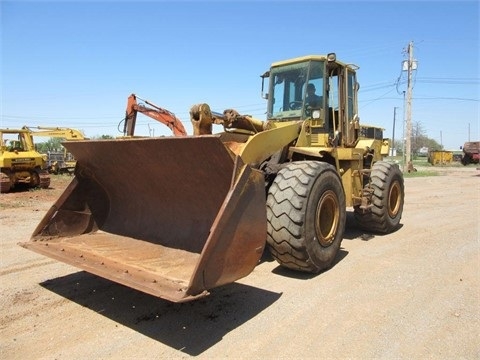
[[316, 114]]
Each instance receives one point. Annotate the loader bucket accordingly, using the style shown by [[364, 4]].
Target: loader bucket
[[172, 217]]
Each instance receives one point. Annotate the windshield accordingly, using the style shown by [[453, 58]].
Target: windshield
[[295, 88], [12, 142]]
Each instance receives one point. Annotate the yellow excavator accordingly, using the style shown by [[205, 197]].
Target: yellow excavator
[[58, 163], [178, 216]]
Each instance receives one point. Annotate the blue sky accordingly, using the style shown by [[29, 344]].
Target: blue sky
[[73, 64]]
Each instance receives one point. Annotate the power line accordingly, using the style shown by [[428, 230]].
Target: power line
[[450, 81]]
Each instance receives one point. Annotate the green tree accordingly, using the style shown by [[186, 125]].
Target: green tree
[[420, 139], [102, 137], [398, 145], [52, 144]]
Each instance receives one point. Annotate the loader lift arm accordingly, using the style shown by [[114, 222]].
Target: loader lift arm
[[155, 112]]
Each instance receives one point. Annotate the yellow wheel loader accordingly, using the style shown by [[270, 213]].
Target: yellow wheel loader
[[178, 216]]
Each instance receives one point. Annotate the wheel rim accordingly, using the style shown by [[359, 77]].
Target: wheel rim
[[394, 199], [327, 218]]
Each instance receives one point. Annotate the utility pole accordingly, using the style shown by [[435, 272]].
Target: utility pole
[[404, 123], [393, 132], [409, 67], [441, 147]]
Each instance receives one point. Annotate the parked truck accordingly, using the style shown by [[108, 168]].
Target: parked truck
[[471, 153], [178, 216]]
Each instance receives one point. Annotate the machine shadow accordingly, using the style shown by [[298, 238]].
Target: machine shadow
[[190, 327], [294, 274], [353, 231]]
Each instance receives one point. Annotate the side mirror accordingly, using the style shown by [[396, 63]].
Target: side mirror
[[266, 74]]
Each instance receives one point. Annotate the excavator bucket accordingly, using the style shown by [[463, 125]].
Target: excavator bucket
[[172, 217]]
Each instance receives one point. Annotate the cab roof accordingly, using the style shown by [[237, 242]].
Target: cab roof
[[305, 58]]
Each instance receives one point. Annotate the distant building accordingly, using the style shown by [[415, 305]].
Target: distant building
[[423, 151]]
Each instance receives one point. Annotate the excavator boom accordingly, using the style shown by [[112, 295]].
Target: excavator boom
[[155, 112], [57, 132]]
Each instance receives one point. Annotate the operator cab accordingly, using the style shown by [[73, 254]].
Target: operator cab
[[316, 88], [288, 93]]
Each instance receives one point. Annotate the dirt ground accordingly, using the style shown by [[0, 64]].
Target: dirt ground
[[413, 294]]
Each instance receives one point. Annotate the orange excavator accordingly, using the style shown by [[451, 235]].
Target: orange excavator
[[155, 112]]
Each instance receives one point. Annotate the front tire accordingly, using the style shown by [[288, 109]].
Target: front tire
[[386, 206], [306, 216]]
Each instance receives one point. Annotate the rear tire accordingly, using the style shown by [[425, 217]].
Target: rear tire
[[386, 183], [306, 216]]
